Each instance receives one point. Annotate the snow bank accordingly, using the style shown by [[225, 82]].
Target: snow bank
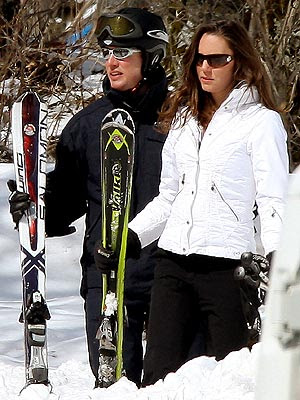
[[200, 379]]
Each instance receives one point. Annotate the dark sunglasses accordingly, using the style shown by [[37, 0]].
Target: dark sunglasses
[[117, 25], [214, 60]]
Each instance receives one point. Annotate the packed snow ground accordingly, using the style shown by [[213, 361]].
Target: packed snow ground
[[200, 379]]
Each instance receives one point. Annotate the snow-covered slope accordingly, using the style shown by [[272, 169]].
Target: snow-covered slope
[[200, 379]]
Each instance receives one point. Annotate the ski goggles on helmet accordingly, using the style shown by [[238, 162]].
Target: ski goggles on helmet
[[214, 60], [118, 52], [118, 26]]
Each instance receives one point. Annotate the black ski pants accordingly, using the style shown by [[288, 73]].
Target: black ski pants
[[189, 290]]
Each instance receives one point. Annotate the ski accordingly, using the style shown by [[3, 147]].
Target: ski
[[29, 133], [117, 157], [278, 366]]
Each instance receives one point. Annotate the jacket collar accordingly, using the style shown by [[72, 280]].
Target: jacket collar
[[144, 103], [238, 99], [241, 95]]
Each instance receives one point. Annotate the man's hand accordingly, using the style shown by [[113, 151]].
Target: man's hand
[[105, 260], [19, 202]]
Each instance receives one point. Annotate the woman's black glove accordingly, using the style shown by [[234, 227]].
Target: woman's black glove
[[19, 202], [106, 260], [254, 270]]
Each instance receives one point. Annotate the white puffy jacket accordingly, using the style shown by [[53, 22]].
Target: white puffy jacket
[[208, 188]]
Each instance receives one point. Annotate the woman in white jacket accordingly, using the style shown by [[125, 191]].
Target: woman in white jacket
[[225, 151]]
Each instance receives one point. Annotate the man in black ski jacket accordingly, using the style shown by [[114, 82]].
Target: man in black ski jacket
[[74, 186], [133, 42]]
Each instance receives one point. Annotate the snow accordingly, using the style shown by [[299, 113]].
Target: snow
[[70, 375]]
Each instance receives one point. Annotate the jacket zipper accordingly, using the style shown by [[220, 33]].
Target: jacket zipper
[[196, 189], [275, 212], [182, 181], [214, 187], [181, 189]]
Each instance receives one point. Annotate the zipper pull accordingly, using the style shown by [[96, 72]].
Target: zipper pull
[[274, 213], [183, 179]]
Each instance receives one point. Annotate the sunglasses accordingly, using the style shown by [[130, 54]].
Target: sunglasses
[[214, 60], [118, 26], [119, 52]]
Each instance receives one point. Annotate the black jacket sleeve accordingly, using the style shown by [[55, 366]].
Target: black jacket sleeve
[[65, 195]]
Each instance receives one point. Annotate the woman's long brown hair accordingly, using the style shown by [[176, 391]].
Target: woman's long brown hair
[[189, 94]]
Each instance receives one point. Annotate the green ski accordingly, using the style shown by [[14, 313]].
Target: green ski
[[117, 157]]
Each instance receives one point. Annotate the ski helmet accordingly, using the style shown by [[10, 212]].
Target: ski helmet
[[135, 27]]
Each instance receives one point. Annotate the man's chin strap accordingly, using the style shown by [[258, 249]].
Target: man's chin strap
[[137, 86]]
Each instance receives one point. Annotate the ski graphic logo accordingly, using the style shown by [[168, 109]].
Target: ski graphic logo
[[116, 200], [30, 261], [118, 140], [20, 171], [29, 129], [116, 194]]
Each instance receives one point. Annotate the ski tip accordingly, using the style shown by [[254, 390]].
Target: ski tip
[[120, 117]]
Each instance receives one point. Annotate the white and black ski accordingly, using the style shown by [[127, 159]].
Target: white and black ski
[[278, 359], [117, 157], [29, 132]]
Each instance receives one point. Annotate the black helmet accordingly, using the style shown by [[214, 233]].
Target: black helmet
[[135, 27]]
